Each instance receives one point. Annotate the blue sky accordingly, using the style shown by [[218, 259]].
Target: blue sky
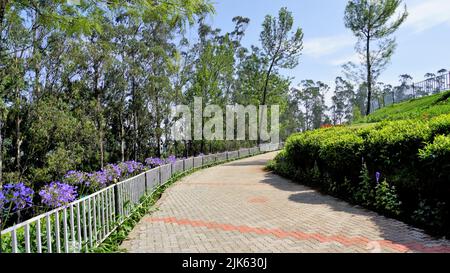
[[423, 41]]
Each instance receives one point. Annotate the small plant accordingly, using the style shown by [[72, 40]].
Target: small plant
[[386, 199], [364, 192]]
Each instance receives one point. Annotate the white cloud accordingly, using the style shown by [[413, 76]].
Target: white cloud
[[323, 46], [428, 14], [345, 59]]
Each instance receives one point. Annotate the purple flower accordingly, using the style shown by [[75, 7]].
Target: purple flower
[[131, 167], [96, 180], [377, 176], [17, 196], [113, 172], [153, 162], [2, 200], [171, 159], [74, 178], [57, 194]]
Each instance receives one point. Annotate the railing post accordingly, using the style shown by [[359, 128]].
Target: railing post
[[145, 184], [117, 200]]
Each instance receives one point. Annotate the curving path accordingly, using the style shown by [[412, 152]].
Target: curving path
[[239, 207]]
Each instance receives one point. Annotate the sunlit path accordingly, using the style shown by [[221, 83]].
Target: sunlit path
[[239, 207]]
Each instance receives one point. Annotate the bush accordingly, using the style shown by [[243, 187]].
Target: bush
[[412, 155]]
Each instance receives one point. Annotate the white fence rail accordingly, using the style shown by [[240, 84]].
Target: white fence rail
[[87, 222]]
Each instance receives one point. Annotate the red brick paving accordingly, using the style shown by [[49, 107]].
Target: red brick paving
[[346, 241], [239, 207]]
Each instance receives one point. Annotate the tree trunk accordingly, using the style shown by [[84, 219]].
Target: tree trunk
[[100, 132], [369, 76], [135, 120], [267, 82], [186, 153], [37, 65], [158, 129], [265, 93], [99, 114], [18, 122], [18, 141], [122, 139]]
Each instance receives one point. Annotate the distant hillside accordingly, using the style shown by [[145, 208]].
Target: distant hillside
[[424, 107]]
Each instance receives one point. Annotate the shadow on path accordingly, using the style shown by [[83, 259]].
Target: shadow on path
[[390, 229]]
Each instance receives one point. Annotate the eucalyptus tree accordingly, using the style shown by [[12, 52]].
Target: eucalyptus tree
[[374, 22], [311, 96], [213, 68], [405, 85], [342, 101], [69, 62]]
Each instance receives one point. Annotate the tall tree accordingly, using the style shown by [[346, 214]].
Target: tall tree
[[311, 96], [374, 21], [281, 47], [342, 101]]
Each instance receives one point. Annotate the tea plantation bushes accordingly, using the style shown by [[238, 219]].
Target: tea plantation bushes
[[424, 108], [399, 168]]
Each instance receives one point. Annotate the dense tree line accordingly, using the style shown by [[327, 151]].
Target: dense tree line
[[84, 85]]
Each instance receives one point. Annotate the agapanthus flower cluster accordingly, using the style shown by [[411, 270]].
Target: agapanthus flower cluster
[[57, 194], [154, 162], [131, 167], [2, 201], [76, 178], [97, 180], [113, 173], [16, 197]]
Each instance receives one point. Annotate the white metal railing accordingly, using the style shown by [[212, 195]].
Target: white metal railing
[[87, 222]]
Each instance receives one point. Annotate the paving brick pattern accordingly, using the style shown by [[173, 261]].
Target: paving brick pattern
[[238, 207]]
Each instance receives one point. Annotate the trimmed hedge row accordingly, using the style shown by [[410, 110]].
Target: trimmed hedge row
[[399, 168]]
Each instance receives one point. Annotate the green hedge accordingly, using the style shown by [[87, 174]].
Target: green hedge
[[412, 157]]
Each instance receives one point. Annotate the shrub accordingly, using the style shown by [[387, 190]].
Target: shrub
[[440, 125], [345, 161]]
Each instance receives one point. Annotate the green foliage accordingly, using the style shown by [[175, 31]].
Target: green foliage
[[59, 140], [434, 214], [364, 194], [90, 84], [281, 47], [373, 22], [408, 154], [424, 108], [439, 150], [386, 199]]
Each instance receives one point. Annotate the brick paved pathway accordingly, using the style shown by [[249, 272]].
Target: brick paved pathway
[[239, 207]]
